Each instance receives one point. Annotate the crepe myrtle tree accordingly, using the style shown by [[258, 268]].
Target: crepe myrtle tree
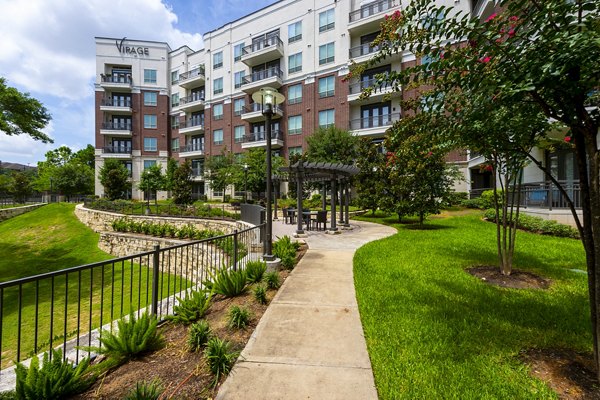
[[369, 182], [544, 53]]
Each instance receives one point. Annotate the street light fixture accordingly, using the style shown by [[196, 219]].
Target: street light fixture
[[268, 98], [245, 183]]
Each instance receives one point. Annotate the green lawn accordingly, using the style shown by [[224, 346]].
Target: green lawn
[[434, 331]]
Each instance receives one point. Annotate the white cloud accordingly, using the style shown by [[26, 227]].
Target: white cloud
[[22, 149]]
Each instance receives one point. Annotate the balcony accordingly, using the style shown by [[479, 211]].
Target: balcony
[[116, 106], [368, 17], [362, 53], [198, 174], [192, 103], [191, 127], [116, 129], [379, 91], [258, 139], [193, 78], [123, 152], [262, 51], [271, 77], [192, 150], [253, 113], [116, 81], [373, 126]]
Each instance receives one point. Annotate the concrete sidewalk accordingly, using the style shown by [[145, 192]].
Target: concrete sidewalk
[[309, 344]]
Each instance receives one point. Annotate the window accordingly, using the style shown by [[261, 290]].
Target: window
[[237, 51], [218, 86], [295, 94], [327, 86], [238, 133], [238, 106], [218, 111], [295, 63], [294, 32], [326, 53], [150, 98], [150, 144], [326, 20], [175, 145], [295, 151], [218, 136], [295, 125], [149, 163], [174, 99], [218, 60], [149, 76], [174, 76], [238, 79], [150, 121], [174, 122], [326, 118]]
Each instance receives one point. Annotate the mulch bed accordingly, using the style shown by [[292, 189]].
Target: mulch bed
[[516, 280]]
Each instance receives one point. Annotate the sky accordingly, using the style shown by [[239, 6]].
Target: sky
[[47, 49]]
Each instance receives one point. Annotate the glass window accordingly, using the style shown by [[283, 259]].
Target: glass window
[[149, 76], [149, 163], [174, 99], [174, 122], [295, 63], [175, 144], [218, 86], [238, 133], [327, 86], [295, 125], [326, 118], [150, 121], [218, 60], [295, 32], [218, 111], [174, 76], [238, 79], [295, 94], [237, 51], [218, 136], [295, 150], [150, 98], [150, 144], [327, 20], [238, 106], [327, 53]]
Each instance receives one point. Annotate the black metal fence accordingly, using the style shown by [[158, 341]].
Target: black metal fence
[[542, 195], [65, 309], [6, 202]]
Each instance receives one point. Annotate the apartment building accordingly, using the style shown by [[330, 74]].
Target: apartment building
[[153, 103]]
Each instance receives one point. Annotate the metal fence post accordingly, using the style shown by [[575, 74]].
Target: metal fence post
[[235, 249], [155, 272]]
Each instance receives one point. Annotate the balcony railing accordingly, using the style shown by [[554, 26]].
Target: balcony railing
[[542, 195], [191, 123], [373, 8], [199, 71], [363, 50], [118, 102], [259, 136], [116, 78], [261, 75], [117, 126], [197, 172], [258, 45], [117, 149], [192, 147], [374, 122], [191, 99], [257, 107], [357, 87]]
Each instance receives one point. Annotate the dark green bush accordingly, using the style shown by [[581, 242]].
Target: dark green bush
[[220, 357], [238, 317], [456, 198], [272, 280], [228, 282], [285, 250], [260, 294], [255, 271], [191, 308], [146, 391], [539, 225], [487, 199], [471, 203], [199, 335]]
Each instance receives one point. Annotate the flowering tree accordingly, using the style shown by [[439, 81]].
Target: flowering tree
[[369, 182]]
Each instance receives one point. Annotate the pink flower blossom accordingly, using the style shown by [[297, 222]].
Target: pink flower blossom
[[511, 32], [568, 139], [485, 60], [491, 17], [513, 18]]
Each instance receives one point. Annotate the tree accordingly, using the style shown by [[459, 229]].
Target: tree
[[369, 182], [543, 53], [181, 184], [333, 145], [21, 114], [114, 177], [20, 187], [172, 166], [74, 178], [257, 169], [151, 181], [86, 156], [67, 172], [221, 171]]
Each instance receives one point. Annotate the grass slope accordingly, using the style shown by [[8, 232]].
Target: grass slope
[[434, 331]]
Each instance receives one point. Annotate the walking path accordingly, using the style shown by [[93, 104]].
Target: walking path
[[309, 344]]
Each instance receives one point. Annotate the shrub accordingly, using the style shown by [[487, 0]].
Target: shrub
[[260, 294], [471, 203], [200, 333], [54, 380], [191, 308], [255, 271], [487, 199], [146, 391], [228, 282], [272, 280], [238, 317], [456, 198], [539, 225], [220, 357], [285, 250]]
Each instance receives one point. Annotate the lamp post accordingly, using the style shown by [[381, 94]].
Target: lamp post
[[245, 183], [268, 98]]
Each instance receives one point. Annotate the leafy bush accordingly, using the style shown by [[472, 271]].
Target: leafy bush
[[220, 357], [146, 391], [200, 333], [272, 280], [255, 271], [191, 308], [55, 379], [487, 199], [471, 203], [238, 317], [539, 225], [260, 294], [285, 250], [228, 282], [456, 198]]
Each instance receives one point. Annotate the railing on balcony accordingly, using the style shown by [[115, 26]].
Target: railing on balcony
[[191, 98], [261, 136], [373, 8], [199, 71], [542, 195], [357, 87], [190, 123], [197, 172], [116, 102], [117, 149], [261, 75], [257, 107], [117, 126], [191, 147], [383, 120], [116, 78], [258, 45], [362, 50]]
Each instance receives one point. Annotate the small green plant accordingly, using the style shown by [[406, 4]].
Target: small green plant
[[191, 308], [200, 334], [272, 280], [255, 271], [220, 357], [260, 294], [285, 250], [146, 391], [56, 379], [238, 317], [228, 282]]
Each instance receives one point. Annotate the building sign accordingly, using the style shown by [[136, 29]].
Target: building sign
[[132, 50]]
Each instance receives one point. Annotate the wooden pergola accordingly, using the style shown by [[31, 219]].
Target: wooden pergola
[[336, 175]]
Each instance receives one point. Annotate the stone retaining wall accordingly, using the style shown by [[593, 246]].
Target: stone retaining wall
[[7, 213]]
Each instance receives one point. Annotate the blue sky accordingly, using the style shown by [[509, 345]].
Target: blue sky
[[47, 49]]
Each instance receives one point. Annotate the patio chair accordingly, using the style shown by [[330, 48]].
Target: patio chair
[[289, 215], [320, 218]]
